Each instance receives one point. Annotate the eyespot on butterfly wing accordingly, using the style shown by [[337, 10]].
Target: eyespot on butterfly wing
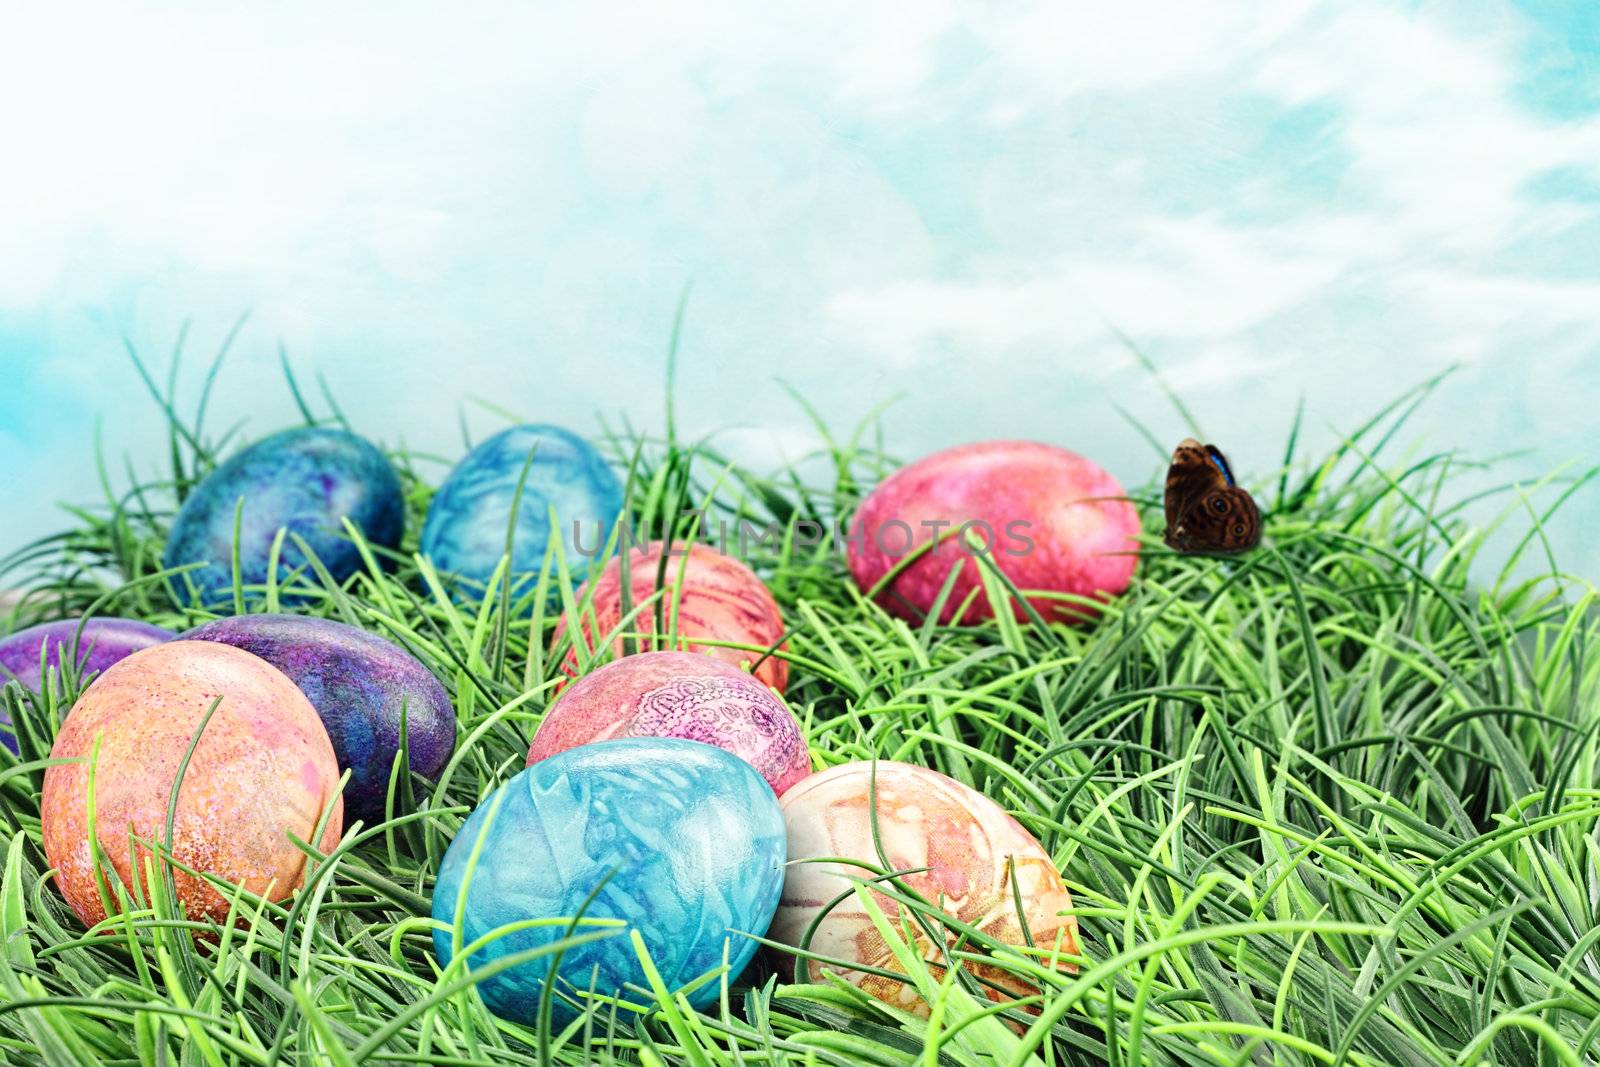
[[1208, 512]]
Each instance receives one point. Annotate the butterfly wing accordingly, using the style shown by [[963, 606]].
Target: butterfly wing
[[1223, 521], [1220, 461], [1190, 476], [1206, 511]]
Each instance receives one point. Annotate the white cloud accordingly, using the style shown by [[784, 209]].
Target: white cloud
[[1439, 159], [1437, 140], [1056, 50], [1221, 366], [1186, 278]]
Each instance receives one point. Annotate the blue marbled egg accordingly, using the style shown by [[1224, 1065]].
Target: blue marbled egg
[[465, 532], [691, 835], [362, 686], [304, 480]]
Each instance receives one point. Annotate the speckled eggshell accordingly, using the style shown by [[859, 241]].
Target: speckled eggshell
[[1076, 540], [925, 819], [103, 642], [691, 838], [306, 481], [360, 684], [711, 596], [678, 694], [465, 532], [262, 770]]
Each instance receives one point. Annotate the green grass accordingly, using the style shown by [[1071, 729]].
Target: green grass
[[1334, 802]]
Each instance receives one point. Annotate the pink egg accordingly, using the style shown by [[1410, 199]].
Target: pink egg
[[263, 769], [972, 850], [707, 595], [678, 694], [1051, 520]]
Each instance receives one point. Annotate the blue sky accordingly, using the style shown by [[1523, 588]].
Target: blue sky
[[938, 202]]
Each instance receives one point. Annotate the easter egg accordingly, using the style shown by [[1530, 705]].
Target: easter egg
[[1049, 519], [470, 516], [263, 769], [705, 595], [305, 481], [683, 842], [971, 850], [361, 685], [678, 694], [101, 643]]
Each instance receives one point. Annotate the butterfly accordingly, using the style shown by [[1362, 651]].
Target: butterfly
[[1207, 512]]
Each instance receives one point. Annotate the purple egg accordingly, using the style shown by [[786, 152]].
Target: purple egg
[[103, 642], [360, 684]]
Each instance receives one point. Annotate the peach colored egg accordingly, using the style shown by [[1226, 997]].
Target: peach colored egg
[[710, 596], [972, 850], [1049, 519], [684, 695], [263, 769]]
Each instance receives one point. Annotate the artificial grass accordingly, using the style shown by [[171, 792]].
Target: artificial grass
[[1333, 802]]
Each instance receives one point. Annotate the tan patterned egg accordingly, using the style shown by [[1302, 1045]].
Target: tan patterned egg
[[970, 846], [263, 769]]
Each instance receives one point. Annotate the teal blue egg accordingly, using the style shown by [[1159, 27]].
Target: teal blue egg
[[471, 515], [681, 841]]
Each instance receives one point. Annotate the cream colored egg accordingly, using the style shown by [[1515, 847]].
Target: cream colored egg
[[972, 850]]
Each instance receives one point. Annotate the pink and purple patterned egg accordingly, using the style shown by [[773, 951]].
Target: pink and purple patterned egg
[[683, 695], [103, 641], [1048, 519], [966, 851]]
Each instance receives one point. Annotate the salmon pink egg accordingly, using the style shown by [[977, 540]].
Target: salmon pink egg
[[704, 596], [262, 770]]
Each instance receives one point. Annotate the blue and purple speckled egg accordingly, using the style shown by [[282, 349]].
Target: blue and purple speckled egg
[[306, 481], [102, 643], [465, 532], [691, 837], [361, 685]]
